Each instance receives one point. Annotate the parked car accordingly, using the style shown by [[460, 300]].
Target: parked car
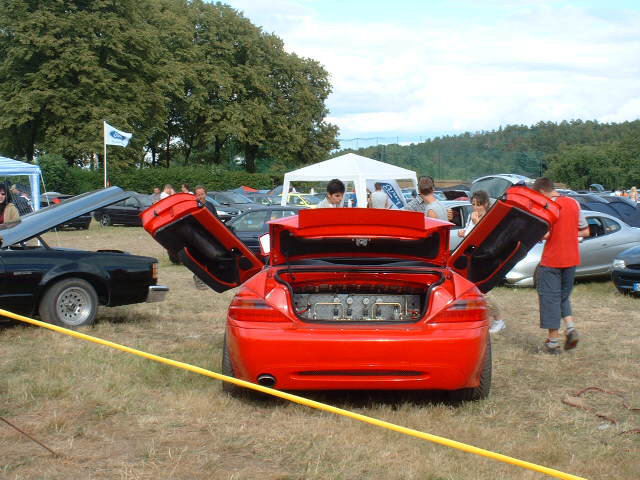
[[626, 271], [125, 212], [450, 194], [608, 237], [619, 207], [305, 200], [65, 286], [81, 222], [461, 210], [371, 299], [225, 212], [408, 194], [250, 226], [261, 198], [233, 200], [496, 185]]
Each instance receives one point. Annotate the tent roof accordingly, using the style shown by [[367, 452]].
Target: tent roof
[[349, 167], [9, 166]]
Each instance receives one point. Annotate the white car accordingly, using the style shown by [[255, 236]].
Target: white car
[[496, 185], [608, 237]]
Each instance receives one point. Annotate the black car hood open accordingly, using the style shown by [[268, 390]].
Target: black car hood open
[[47, 218]]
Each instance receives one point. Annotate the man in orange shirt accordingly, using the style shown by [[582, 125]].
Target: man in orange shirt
[[557, 269]]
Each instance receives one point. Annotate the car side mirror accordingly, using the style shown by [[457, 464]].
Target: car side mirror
[[265, 244]]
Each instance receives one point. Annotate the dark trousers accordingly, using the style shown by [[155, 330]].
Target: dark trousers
[[554, 289]]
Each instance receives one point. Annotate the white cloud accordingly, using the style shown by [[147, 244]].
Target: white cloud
[[535, 62]]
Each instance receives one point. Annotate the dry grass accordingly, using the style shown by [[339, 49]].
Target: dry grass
[[112, 415]]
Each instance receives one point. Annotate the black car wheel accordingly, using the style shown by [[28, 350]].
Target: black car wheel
[[227, 369], [482, 390], [70, 303], [174, 258], [105, 220]]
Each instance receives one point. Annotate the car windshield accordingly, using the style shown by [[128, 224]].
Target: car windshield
[[312, 199], [232, 197]]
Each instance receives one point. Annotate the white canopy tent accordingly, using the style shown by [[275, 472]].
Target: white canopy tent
[[349, 168], [13, 168]]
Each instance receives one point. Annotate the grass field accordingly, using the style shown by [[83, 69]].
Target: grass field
[[115, 416]]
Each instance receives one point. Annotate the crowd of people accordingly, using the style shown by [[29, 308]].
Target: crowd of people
[[631, 194]]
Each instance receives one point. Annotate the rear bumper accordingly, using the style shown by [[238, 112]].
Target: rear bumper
[[341, 359], [157, 293]]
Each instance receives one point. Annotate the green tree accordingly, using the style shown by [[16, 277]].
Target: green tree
[[67, 65]]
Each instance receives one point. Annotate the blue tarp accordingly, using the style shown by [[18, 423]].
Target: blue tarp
[[11, 168]]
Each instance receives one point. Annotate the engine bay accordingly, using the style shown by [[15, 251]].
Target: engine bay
[[357, 307]]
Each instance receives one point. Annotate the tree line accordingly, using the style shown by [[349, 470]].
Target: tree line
[[574, 152], [197, 83]]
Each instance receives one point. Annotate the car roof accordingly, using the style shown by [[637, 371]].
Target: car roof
[[513, 177], [262, 208], [454, 203]]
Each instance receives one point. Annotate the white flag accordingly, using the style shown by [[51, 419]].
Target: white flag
[[113, 136]]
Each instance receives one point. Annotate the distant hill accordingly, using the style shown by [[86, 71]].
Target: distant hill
[[526, 150]]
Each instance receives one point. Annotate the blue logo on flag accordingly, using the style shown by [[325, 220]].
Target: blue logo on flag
[[116, 135]]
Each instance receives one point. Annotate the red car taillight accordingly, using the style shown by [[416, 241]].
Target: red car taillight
[[249, 308], [464, 310]]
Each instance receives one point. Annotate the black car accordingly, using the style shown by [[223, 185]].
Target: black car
[[626, 271], [619, 207], [234, 200], [251, 225], [65, 286], [125, 212], [81, 222]]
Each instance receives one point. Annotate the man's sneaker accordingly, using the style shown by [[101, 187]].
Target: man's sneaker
[[571, 340], [497, 326], [552, 348]]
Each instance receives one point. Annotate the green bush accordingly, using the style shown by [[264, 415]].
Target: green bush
[[60, 177]]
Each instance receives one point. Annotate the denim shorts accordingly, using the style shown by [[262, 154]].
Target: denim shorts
[[554, 291]]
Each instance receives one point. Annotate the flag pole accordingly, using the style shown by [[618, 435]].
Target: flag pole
[[104, 142]]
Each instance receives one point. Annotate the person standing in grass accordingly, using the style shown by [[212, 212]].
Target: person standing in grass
[[379, 199], [201, 195], [557, 269], [427, 202], [335, 195], [8, 211], [167, 191]]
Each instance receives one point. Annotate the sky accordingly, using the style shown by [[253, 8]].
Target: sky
[[408, 70]]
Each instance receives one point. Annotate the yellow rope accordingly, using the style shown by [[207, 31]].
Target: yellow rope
[[303, 401]]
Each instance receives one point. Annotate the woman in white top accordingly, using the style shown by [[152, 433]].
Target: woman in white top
[[480, 203]]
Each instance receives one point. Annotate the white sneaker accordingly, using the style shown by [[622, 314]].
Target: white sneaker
[[497, 326]]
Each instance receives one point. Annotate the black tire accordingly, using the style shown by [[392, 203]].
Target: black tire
[[174, 258], [482, 390], [227, 369], [69, 303], [105, 220]]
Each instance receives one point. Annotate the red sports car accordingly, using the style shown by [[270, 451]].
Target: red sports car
[[357, 298]]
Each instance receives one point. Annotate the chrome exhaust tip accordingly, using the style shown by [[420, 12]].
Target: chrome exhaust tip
[[267, 380]]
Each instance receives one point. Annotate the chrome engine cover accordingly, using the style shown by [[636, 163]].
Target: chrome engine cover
[[358, 307]]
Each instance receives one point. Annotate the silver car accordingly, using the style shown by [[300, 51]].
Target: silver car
[[608, 237]]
